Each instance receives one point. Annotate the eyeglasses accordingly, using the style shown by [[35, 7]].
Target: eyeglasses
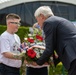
[[16, 23]]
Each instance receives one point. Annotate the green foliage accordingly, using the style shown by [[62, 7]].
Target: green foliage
[[2, 29], [22, 32], [58, 70]]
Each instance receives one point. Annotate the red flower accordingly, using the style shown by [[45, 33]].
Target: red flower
[[30, 40], [39, 37], [31, 53]]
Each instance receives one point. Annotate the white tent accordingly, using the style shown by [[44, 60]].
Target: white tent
[[7, 3]]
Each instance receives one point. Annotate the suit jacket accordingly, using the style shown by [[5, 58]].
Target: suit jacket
[[60, 35]]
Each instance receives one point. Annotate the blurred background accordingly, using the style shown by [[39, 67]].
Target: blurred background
[[26, 8]]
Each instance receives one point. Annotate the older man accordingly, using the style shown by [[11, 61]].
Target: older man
[[60, 35]]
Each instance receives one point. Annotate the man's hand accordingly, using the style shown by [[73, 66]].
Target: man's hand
[[46, 63], [34, 64], [31, 63]]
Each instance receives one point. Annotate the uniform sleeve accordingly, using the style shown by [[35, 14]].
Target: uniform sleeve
[[48, 30]]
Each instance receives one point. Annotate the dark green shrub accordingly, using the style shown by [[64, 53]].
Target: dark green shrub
[[2, 29], [23, 31]]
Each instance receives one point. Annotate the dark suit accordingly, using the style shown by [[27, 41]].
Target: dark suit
[[60, 35]]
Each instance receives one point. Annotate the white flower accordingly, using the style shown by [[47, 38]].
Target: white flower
[[29, 35], [25, 38]]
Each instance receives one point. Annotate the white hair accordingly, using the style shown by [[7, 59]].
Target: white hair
[[45, 10]]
